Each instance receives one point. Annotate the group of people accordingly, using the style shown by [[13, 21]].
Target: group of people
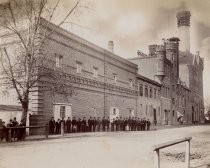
[[96, 124], [16, 133]]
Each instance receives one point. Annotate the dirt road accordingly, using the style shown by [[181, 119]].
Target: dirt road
[[111, 150]]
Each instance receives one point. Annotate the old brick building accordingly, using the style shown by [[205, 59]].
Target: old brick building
[[158, 86], [180, 73]]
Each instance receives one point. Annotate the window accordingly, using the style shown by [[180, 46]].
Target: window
[[141, 90], [173, 57], [155, 93], [151, 110], [131, 113], [150, 93], [173, 87], [159, 111], [58, 60], [114, 111], [173, 101], [95, 72], [62, 111], [146, 91], [115, 78], [79, 67], [141, 108], [130, 82]]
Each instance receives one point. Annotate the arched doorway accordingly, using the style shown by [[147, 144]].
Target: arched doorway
[[166, 117], [193, 121]]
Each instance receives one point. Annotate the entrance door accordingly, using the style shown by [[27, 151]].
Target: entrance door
[[155, 115], [193, 115], [166, 117], [114, 113], [62, 111]]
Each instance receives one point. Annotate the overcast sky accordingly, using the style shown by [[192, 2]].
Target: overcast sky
[[135, 24]]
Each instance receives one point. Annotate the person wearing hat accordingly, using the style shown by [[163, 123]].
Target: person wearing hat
[[52, 125], [68, 125], [4, 132], [74, 125]]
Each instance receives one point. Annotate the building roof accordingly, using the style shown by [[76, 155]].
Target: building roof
[[86, 43], [148, 80], [10, 108]]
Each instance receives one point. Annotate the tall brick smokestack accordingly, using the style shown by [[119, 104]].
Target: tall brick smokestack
[[183, 23]]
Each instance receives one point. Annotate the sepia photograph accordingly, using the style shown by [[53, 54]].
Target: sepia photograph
[[104, 84]]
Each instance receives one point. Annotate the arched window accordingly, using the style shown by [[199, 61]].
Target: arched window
[[146, 91], [140, 90], [150, 92]]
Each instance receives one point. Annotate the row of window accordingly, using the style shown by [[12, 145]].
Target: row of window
[[58, 64], [148, 92], [150, 111], [166, 91]]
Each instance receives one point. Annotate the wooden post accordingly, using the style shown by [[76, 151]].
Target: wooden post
[[62, 128], [9, 135], [46, 131], [157, 158], [187, 157]]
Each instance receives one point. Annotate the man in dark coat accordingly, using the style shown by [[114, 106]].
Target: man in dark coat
[[90, 123], [125, 124], [79, 123], [148, 125], [74, 125], [15, 131], [52, 125], [84, 123], [4, 133], [98, 124], [144, 125], [22, 131], [94, 124], [64, 124], [121, 123], [113, 125], [58, 126], [129, 123], [107, 123], [103, 124], [68, 125], [139, 124]]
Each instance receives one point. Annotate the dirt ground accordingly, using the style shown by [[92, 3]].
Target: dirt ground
[[109, 150]]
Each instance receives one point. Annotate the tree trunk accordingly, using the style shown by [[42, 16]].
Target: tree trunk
[[25, 116], [25, 111]]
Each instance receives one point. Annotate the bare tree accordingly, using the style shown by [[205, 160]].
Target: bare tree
[[24, 30]]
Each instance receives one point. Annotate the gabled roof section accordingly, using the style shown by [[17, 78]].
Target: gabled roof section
[[148, 80]]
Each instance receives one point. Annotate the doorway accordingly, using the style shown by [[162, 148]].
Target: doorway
[[166, 117], [155, 116]]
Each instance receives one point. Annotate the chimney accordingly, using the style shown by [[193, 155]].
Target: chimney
[[183, 23], [111, 46], [152, 49]]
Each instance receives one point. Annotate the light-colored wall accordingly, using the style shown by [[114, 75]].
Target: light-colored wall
[[7, 115]]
